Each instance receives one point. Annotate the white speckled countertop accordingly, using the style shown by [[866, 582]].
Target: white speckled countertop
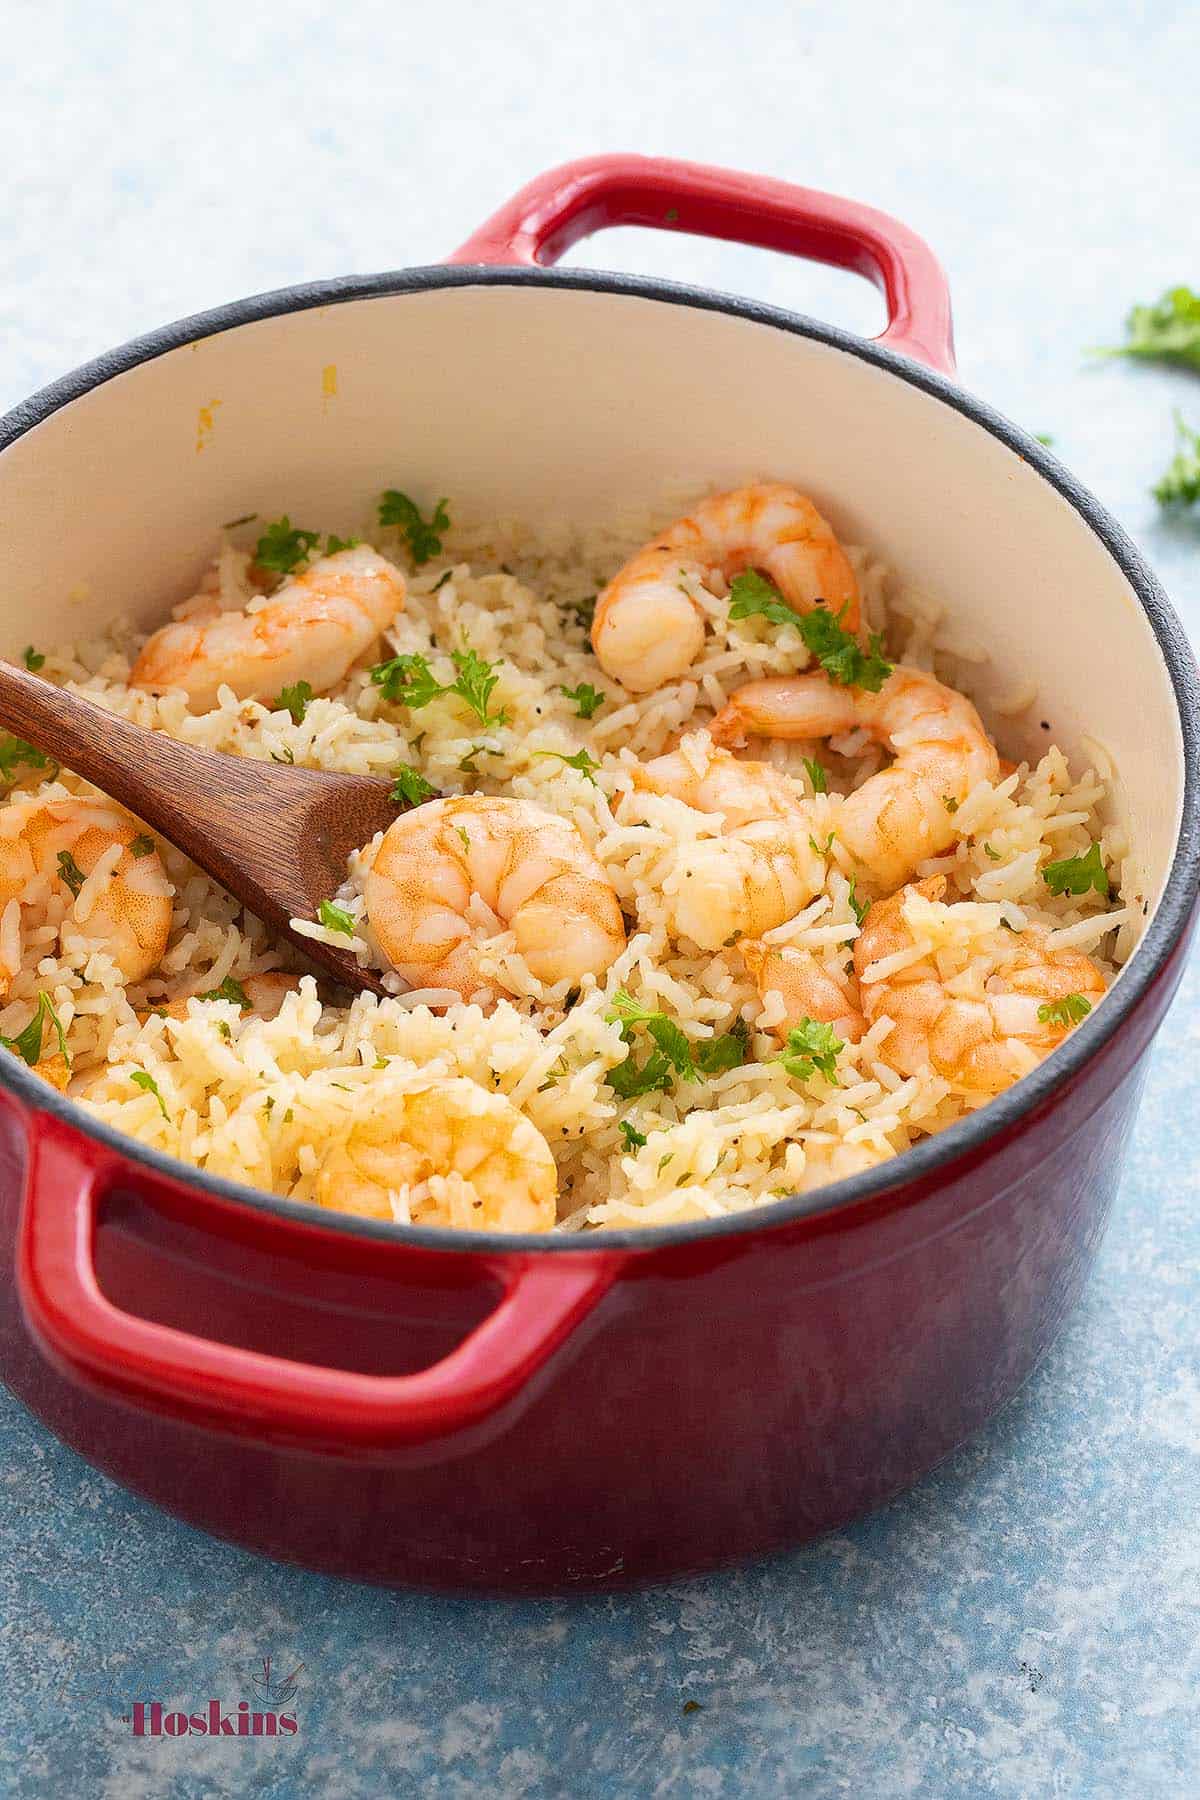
[[1025, 1623]]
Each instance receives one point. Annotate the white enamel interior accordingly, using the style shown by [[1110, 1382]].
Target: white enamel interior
[[535, 401]]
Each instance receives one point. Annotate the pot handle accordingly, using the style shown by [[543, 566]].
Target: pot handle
[[565, 204], [249, 1393]]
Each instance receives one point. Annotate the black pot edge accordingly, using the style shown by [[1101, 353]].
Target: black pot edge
[[964, 1142]]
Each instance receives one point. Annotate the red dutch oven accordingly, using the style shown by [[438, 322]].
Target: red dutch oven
[[471, 1410]]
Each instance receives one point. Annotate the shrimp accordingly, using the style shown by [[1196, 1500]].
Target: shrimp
[[86, 862], [978, 1030], [312, 629], [442, 1152], [648, 630], [904, 814], [448, 871], [808, 990], [762, 869]]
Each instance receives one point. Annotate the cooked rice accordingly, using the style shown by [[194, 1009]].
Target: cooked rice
[[260, 1100]]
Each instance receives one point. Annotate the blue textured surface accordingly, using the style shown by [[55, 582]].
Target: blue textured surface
[[1025, 1623]]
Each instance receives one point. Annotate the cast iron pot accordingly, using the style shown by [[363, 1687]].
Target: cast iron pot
[[472, 1410]]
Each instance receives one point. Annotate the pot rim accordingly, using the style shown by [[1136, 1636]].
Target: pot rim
[[908, 1177]]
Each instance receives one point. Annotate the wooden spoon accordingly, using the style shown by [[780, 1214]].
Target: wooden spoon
[[277, 837]]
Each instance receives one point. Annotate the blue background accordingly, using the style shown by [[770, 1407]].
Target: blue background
[[1025, 1622]]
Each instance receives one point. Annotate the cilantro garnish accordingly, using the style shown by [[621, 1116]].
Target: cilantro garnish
[[33, 659], [282, 546], [588, 700], [816, 774], [142, 845], [335, 918], [228, 990], [70, 871], [148, 1085], [839, 652], [1067, 1011], [424, 539], [15, 750], [586, 765], [28, 1043], [294, 700], [1180, 485], [1168, 331], [410, 787], [634, 1139], [811, 1046], [1076, 874]]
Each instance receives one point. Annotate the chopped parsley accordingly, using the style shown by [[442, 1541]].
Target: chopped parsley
[[70, 871], [715, 1055], [1076, 874], [821, 849], [586, 765], [674, 1055], [335, 918], [588, 700], [228, 990], [1168, 331], [584, 610], [33, 659], [860, 908], [334, 543], [141, 845], [409, 786], [992, 855], [232, 524], [474, 684], [634, 1139], [811, 1046], [1180, 485], [1067, 1011], [15, 750], [283, 546], [148, 1085], [424, 538], [950, 803], [409, 681], [816, 774], [837, 651], [294, 700], [28, 1043], [288, 756], [464, 835]]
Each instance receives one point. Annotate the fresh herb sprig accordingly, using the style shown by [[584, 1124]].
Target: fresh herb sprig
[[837, 651], [424, 536], [1067, 1011], [409, 681], [1076, 874], [674, 1057]]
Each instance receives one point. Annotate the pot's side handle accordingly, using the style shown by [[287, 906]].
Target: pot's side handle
[[568, 203], [246, 1392]]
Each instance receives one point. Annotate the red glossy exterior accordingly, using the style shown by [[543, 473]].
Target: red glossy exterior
[[405, 1411]]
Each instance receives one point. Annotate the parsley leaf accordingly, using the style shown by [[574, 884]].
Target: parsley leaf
[[474, 684], [1168, 331], [335, 918], [1076, 874], [70, 871], [32, 659], [584, 610], [588, 700], [15, 750], [407, 681], [333, 543], [141, 845], [586, 765], [424, 540], [992, 855], [1067, 1011], [751, 596], [839, 652], [634, 1139], [228, 990], [811, 1046], [631, 1079], [294, 700], [28, 1043], [816, 774], [1180, 485], [148, 1085], [283, 546], [410, 786], [672, 1055], [860, 908], [716, 1055]]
